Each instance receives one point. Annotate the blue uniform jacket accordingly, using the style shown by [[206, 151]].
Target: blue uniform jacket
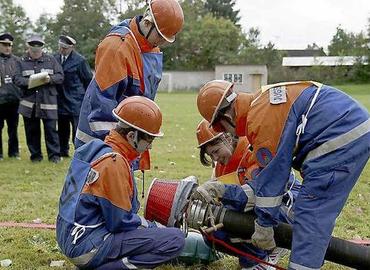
[[77, 76], [126, 65], [99, 194]]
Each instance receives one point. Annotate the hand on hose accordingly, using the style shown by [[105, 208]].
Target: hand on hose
[[263, 237], [210, 191]]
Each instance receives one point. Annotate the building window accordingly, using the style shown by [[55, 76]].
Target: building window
[[236, 78]]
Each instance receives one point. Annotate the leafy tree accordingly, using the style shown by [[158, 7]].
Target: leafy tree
[[132, 8], [88, 21], [14, 20], [223, 9], [361, 70], [203, 44], [347, 43]]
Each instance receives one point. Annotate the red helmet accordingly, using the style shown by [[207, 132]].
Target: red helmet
[[140, 113], [211, 96], [205, 134], [168, 18]]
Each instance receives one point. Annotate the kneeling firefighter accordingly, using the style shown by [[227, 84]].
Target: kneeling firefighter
[[98, 226]]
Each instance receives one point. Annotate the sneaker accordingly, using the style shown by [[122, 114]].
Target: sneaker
[[272, 258], [277, 254]]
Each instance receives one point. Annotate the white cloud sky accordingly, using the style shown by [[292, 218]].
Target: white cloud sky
[[290, 24]]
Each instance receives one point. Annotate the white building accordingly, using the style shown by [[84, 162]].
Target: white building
[[247, 78]]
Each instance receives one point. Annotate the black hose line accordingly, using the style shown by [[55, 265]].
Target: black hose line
[[339, 251]]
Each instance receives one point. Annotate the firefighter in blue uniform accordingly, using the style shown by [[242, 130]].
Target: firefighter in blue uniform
[[314, 128], [40, 102], [98, 226], [9, 95], [128, 62], [77, 76]]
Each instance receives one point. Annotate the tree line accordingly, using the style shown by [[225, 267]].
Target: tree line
[[212, 35]]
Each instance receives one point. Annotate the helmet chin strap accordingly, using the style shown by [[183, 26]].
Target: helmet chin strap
[[136, 142], [150, 31]]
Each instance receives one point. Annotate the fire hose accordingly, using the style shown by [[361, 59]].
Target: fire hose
[[169, 203], [242, 225]]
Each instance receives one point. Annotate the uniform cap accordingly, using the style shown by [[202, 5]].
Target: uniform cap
[[35, 40], [66, 41], [6, 38]]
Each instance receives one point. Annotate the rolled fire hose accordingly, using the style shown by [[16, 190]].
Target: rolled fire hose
[[242, 225]]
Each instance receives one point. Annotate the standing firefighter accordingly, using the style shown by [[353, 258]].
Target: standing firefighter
[[98, 226], [77, 76], [39, 102], [311, 127], [128, 63], [9, 95]]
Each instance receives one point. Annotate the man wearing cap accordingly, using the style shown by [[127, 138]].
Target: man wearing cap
[[9, 95], [77, 76], [39, 102], [128, 62], [98, 226]]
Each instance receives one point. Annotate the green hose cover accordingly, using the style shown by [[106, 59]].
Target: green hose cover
[[196, 251]]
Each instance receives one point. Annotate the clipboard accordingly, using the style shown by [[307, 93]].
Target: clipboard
[[37, 79]]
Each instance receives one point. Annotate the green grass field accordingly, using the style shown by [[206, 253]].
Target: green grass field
[[29, 191]]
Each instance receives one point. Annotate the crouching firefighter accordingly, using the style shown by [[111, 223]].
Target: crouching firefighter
[[314, 128], [98, 226], [233, 173]]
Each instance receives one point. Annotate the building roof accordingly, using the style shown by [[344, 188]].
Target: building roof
[[303, 53], [322, 61]]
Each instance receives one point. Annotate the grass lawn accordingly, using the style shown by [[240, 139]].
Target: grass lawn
[[29, 191]]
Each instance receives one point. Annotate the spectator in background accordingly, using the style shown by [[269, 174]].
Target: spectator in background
[[40, 102], [9, 95], [77, 76]]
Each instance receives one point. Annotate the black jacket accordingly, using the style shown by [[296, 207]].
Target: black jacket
[[9, 92], [42, 99]]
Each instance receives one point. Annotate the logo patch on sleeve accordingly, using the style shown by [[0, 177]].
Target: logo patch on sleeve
[[92, 177], [264, 156], [277, 95]]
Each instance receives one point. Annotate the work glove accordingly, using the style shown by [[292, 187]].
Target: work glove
[[209, 192], [263, 237]]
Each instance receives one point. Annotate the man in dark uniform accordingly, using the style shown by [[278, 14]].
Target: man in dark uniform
[[77, 76], [9, 95], [39, 99]]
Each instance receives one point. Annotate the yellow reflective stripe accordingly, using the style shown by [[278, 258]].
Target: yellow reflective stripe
[[339, 141], [48, 106], [99, 126], [27, 104], [83, 137], [268, 201]]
